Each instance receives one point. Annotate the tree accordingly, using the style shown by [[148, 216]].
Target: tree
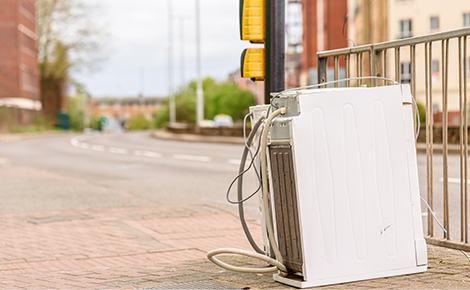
[[219, 98], [68, 40], [228, 99]]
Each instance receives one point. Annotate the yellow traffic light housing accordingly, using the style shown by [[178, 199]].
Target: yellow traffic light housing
[[252, 19], [252, 64]]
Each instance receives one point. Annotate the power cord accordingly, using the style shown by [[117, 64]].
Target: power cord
[[445, 231], [242, 171], [277, 263]]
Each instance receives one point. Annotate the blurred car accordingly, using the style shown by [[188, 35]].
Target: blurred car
[[207, 124], [223, 120]]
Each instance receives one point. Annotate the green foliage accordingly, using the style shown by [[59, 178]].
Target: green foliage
[[219, 98], [41, 124], [95, 122], [75, 106], [228, 99], [162, 116], [422, 112], [139, 122]]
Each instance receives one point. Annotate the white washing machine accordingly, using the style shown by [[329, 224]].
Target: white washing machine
[[344, 182]]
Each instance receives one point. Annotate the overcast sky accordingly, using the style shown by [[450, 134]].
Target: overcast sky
[[138, 45]]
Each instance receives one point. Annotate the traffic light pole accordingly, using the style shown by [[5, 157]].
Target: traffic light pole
[[274, 80]]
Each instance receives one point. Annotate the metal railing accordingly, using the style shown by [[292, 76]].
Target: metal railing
[[419, 54]]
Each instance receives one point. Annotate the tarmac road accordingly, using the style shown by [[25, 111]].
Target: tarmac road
[[129, 169]]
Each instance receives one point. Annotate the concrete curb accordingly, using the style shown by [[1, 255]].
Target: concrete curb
[[10, 138], [165, 135]]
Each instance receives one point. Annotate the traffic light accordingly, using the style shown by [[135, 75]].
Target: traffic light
[[252, 28], [252, 64], [252, 20]]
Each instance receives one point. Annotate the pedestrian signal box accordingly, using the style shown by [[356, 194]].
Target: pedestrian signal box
[[252, 64], [252, 19]]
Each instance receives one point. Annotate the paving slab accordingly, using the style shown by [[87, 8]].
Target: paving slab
[[156, 247]]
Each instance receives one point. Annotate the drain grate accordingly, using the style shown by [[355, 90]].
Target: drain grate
[[201, 285], [57, 219]]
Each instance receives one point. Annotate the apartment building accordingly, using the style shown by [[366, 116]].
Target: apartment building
[[124, 108], [324, 28], [19, 73], [379, 21], [419, 17]]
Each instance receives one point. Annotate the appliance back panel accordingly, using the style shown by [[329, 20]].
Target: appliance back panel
[[286, 206]]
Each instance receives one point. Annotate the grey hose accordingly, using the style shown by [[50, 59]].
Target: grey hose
[[241, 211]]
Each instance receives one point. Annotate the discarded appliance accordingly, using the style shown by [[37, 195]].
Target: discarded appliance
[[340, 191]]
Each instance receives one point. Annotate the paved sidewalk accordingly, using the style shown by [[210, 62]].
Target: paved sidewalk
[[156, 247]]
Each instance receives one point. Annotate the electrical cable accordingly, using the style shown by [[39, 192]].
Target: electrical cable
[[241, 212], [339, 81], [277, 263], [342, 31], [417, 118], [240, 175], [445, 231], [264, 178], [254, 130]]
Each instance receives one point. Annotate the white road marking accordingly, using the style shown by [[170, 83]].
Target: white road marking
[[234, 161], [118, 150], [152, 154], [191, 157], [83, 145], [147, 154], [74, 142], [98, 148]]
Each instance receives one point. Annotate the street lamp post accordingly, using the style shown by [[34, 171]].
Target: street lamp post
[[199, 91], [170, 64]]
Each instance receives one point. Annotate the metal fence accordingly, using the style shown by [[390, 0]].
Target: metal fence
[[424, 62]]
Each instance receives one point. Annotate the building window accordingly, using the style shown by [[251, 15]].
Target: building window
[[434, 23], [28, 80], [405, 28], [466, 19], [405, 72]]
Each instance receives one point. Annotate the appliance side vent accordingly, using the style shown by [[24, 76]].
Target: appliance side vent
[[286, 206]]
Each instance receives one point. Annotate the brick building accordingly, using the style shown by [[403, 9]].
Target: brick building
[[257, 88], [123, 109], [19, 73], [323, 22]]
